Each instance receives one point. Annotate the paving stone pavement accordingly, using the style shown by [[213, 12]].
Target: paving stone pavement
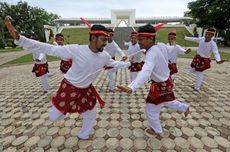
[[24, 124]]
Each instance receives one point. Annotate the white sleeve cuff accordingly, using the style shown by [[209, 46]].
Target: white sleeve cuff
[[18, 42], [130, 86]]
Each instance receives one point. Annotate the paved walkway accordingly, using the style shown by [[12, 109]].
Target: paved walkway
[[6, 57], [24, 124]]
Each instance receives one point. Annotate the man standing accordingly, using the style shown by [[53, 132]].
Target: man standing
[[112, 48], [201, 61], [65, 63], [161, 89], [174, 53], [76, 93], [40, 68], [135, 56]]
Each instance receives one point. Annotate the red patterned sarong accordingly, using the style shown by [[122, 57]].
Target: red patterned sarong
[[172, 68], [65, 65], [135, 67], [40, 69], [200, 63], [161, 92], [75, 100]]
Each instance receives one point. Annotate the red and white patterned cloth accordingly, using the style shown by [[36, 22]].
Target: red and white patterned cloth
[[161, 92], [70, 99], [65, 65], [135, 67], [173, 68], [40, 69], [200, 63]]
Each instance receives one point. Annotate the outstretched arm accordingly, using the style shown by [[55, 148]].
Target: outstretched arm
[[216, 54], [118, 64], [181, 50], [142, 76], [33, 45], [193, 39], [188, 51], [13, 32]]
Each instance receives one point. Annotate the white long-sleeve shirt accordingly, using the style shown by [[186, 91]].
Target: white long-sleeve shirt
[[64, 59], [134, 52], [86, 65], [155, 67], [112, 48], [39, 56], [205, 49], [173, 53]]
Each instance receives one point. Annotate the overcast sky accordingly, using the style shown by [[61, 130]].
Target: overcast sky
[[102, 8]]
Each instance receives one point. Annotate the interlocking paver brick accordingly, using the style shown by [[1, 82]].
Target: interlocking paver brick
[[32, 141], [120, 126], [126, 143]]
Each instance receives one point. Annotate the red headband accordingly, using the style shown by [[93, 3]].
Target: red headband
[[98, 32], [174, 36], [59, 37], [210, 32], [133, 35], [146, 34]]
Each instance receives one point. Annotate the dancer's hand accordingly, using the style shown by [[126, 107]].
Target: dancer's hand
[[143, 51], [123, 88], [107, 67], [37, 60], [124, 58], [220, 62], [188, 51], [13, 32]]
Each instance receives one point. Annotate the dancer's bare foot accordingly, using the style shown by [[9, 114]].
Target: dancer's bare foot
[[186, 112], [91, 137], [44, 92], [150, 132], [197, 89]]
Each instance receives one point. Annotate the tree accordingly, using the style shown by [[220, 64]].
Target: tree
[[212, 13], [27, 18], [2, 39]]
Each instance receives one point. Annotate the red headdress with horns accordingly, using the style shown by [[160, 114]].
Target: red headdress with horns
[[150, 32]]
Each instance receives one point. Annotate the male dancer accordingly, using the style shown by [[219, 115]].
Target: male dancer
[[161, 89], [65, 63], [40, 68], [112, 48], [201, 61], [174, 53], [135, 56], [76, 93]]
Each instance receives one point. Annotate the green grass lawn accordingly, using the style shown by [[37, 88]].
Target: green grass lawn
[[76, 35], [81, 35], [162, 36], [27, 59], [10, 50]]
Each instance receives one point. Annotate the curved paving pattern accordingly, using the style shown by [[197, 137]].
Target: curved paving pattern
[[121, 124]]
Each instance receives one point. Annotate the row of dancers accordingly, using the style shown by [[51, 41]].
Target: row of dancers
[[83, 63]]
